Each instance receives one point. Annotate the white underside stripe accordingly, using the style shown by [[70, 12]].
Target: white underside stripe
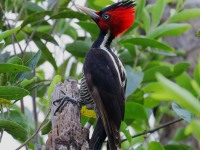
[[102, 46], [123, 71]]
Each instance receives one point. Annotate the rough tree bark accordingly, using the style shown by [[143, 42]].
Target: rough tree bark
[[67, 132]]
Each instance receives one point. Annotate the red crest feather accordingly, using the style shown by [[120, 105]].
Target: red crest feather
[[121, 15]]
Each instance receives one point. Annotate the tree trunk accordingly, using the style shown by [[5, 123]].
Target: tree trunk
[[67, 132]]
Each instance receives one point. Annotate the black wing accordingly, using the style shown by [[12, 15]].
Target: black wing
[[105, 88]]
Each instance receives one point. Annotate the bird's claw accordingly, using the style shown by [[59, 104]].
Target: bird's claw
[[63, 102]]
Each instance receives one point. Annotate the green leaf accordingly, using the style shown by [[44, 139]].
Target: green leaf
[[103, 3], [136, 96], [79, 48], [180, 68], [12, 92], [12, 76], [70, 14], [167, 70], [46, 37], [55, 80], [197, 72], [171, 29], [126, 57], [150, 74], [27, 55], [45, 51], [31, 64], [72, 32], [18, 117], [46, 27], [135, 111], [41, 89], [26, 82], [198, 33], [4, 57], [134, 78], [73, 69], [130, 48], [63, 3], [178, 147], [146, 20], [183, 113], [185, 15], [180, 135], [126, 132], [167, 90], [147, 42], [1, 46], [140, 148], [19, 36], [8, 33], [46, 129], [139, 7], [157, 13], [33, 7], [93, 6], [155, 146], [15, 60], [11, 68], [184, 80], [64, 27], [3, 79], [196, 87], [150, 103], [35, 17], [62, 68], [14, 129], [194, 127], [89, 27]]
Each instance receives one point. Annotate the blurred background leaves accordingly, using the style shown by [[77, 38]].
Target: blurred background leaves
[[41, 39]]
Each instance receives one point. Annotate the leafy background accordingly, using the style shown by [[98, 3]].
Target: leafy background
[[40, 39]]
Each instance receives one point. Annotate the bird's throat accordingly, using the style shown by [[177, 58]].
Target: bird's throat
[[103, 41]]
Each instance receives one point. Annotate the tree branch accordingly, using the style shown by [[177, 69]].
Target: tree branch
[[155, 129], [43, 124], [67, 132]]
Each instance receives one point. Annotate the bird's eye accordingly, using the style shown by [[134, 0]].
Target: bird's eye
[[106, 16]]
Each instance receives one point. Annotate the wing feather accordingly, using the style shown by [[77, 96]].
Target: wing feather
[[108, 95]]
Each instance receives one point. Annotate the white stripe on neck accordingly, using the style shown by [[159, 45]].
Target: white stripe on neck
[[103, 47], [105, 39]]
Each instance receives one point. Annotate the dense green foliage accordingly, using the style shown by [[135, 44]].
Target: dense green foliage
[[153, 82]]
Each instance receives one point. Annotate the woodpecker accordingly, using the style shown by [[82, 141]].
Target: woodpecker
[[104, 80]]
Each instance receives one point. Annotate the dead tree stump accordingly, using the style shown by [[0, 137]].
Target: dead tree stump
[[67, 132]]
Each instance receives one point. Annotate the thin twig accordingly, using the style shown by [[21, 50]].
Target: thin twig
[[32, 34], [43, 124], [22, 105], [35, 111], [9, 27], [19, 14], [13, 43], [155, 129]]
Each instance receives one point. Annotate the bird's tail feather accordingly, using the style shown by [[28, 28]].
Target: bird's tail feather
[[98, 136]]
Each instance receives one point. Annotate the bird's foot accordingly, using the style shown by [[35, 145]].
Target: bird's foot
[[62, 102]]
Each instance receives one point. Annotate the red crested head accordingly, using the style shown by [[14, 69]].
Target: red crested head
[[116, 18]]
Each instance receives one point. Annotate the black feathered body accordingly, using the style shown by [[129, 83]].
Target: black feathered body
[[105, 80]]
